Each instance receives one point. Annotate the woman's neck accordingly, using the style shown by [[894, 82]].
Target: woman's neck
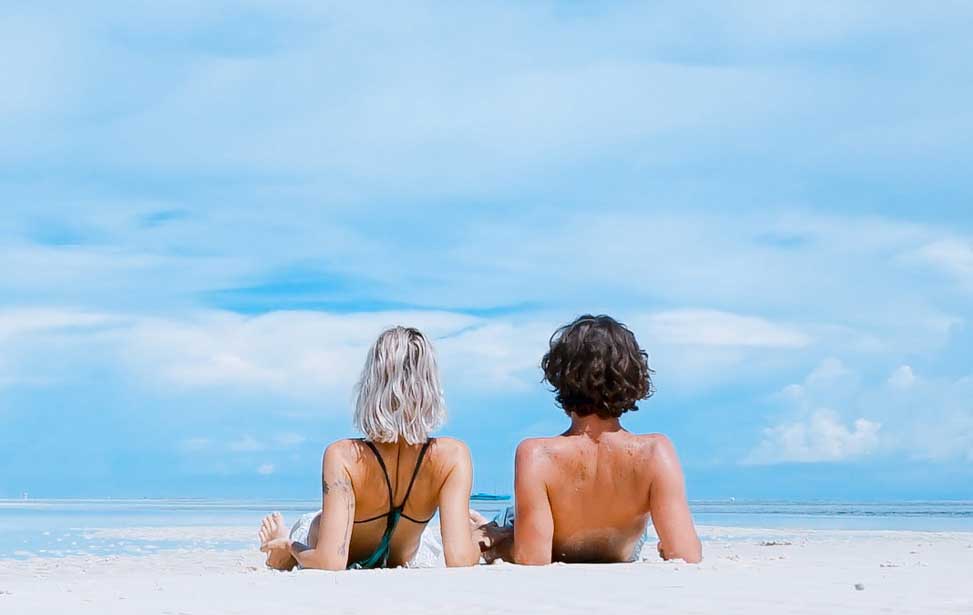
[[397, 445]]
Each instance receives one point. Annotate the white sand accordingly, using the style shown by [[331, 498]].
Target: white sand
[[901, 572]]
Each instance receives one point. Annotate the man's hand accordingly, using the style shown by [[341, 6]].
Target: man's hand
[[494, 541]]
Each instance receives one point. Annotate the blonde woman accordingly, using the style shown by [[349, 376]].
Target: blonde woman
[[379, 492]]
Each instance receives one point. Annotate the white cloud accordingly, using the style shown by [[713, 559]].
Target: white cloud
[[495, 355], [19, 322], [954, 256], [920, 418], [592, 84], [822, 437], [492, 115], [698, 349], [128, 272], [488, 263], [298, 354], [266, 469], [792, 393], [301, 354], [828, 371], [902, 378], [828, 385], [40, 346], [511, 211], [715, 328]]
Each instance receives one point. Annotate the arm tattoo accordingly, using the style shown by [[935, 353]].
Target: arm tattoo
[[324, 486], [349, 506]]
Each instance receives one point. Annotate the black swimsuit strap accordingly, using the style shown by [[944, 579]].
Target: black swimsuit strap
[[388, 483], [419, 521], [381, 462], [415, 473]]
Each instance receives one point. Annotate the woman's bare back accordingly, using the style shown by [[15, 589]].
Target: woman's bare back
[[356, 505], [371, 494]]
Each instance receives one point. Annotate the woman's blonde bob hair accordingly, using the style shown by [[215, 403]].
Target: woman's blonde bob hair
[[399, 395]]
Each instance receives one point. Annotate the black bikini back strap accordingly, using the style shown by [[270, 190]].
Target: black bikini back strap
[[388, 481], [381, 463], [415, 473]]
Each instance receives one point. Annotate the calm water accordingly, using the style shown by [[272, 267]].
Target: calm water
[[54, 528]]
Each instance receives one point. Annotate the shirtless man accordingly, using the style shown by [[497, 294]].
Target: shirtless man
[[587, 494]]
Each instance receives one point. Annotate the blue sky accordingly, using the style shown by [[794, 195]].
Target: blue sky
[[211, 209]]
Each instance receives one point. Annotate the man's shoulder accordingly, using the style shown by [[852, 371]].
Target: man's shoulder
[[654, 439], [655, 445], [531, 446], [536, 452]]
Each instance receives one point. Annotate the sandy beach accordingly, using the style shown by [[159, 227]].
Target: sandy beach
[[744, 571]]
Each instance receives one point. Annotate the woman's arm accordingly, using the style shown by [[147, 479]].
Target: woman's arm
[[454, 510], [534, 525], [670, 510], [337, 515]]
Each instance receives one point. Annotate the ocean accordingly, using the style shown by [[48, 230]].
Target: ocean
[[58, 528]]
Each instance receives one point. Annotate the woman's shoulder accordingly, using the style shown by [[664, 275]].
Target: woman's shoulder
[[449, 447], [342, 451], [449, 453]]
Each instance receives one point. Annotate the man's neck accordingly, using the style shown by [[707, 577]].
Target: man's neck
[[592, 425]]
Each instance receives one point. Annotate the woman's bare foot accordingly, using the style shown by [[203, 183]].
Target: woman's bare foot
[[274, 542]]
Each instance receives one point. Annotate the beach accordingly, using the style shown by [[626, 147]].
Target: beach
[[745, 570], [705, 267]]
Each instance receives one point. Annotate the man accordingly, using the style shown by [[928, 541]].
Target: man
[[587, 494]]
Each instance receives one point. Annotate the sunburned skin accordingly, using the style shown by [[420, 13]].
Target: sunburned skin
[[587, 494]]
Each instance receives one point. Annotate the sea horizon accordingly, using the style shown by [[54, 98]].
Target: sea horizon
[[59, 527]]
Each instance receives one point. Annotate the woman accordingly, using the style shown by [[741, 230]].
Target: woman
[[379, 492]]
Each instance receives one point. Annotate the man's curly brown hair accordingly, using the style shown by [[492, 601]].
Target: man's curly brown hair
[[597, 367]]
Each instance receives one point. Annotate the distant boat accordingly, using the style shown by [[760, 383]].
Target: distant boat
[[489, 497], [24, 495]]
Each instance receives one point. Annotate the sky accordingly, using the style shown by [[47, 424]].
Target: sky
[[210, 210]]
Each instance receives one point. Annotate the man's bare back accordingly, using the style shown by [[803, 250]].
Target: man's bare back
[[586, 496]]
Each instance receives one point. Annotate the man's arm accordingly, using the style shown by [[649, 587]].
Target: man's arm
[[337, 516], [454, 509], [670, 510], [534, 523]]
